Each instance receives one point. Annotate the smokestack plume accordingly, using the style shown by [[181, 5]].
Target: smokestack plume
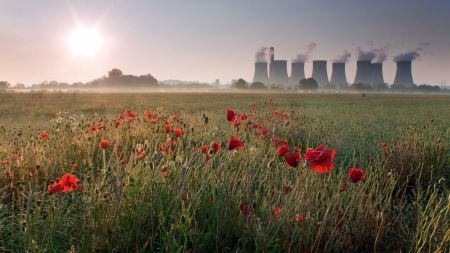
[[363, 72], [338, 75], [403, 76], [362, 55], [411, 55], [297, 73], [260, 55], [343, 58], [261, 74], [320, 73], [377, 73], [305, 56]]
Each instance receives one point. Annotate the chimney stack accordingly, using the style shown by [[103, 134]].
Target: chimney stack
[[338, 74], [320, 73], [363, 72], [261, 74], [297, 73], [403, 75], [377, 73]]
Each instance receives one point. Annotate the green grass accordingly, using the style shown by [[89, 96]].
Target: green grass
[[134, 207]]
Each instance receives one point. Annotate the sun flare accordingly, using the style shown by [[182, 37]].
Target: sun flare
[[85, 42]]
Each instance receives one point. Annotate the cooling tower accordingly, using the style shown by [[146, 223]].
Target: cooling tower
[[403, 75], [278, 72], [297, 73], [363, 72], [261, 74], [377, 73], [338, 74], [320, 72]]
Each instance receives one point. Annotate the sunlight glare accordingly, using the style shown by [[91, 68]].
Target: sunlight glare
[[85, 42]]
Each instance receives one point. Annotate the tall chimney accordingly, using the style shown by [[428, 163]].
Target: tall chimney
[[363, 72], [278, 72], [297, 73], [272, 54], [338, 74], [261, 74], [403, 75], [320, 73], [377, 73]]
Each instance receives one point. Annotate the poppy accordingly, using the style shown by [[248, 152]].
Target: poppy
[[177, 132], [276, 211], [383, 144], [93, 128], [167, 128], [152, 121], [355, 175], [166, 122], [204, 149], [212, 199], [67, 183], [148, 113], [74, 166], [230, 115], [236, 124], [244, 209], [117, 123], [164, 171], [216, 147], [343, 187], [234, 143], [140, 153], [299, 218], [292, 159], [288, 189], [321, 159], [283, 150], [43, 135], [55, 188], [276, 142], [276, 113], [104, 144]]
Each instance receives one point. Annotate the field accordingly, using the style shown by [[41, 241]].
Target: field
[[111, 173]]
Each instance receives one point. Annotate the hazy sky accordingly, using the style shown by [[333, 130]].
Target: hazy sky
[[205, 40]]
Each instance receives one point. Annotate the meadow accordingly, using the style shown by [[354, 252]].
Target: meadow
[[224, 172]]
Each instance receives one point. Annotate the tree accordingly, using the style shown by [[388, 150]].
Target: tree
[[4, 84], [257, 85], [308, 84], [19, 86], [115, 73], [240, 84]]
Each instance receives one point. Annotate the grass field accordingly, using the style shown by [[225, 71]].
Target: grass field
[[151, 191]]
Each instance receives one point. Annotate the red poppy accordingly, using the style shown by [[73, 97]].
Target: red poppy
[[148, 113], [292, 159], [236, 124], [343, 187], [74, 166], [230, 115], [234, 143], [321, 159], [67, 183], [216, 147], [164, 171], [288, 189], [204, 149], [383, 144], [56, 188], [276, 113], [104, 144], [69, 180], [5, 162], [423, 126], [276, 211], [355, 175], [140, 153], [276, 142], [167, 128], [93, 128], [283, 150], [244, 209], [43, 135], [177, 132], [299, 218], [152, 121], [117, 123], [265, 132], [212, 199]]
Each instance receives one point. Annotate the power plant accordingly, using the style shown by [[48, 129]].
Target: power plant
[[403, 75], [277, 70], [377, 73], [320, 73], [363, 72], [261, 74], [338, 74], [297, 73]]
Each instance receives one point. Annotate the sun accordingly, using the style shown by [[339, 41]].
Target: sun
[[85, 42]]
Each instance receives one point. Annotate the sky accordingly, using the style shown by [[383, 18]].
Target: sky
[[205, 40]]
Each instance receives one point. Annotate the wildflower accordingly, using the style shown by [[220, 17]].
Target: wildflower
[[299, 218], [148, 113], [230, 115], [233, 181], [204, 149], [321, 159], [389, 175], [355, 175], [93, 128], [152, 121], [237, 124], [343, 187], [277, 211], [43, 135], [283, 150], [276, 113], [117, 123], [212, 199], [244, 209], [276, 142], [288, 189], [177, 132], [67, 183], [140, 153], [292, 160], [164, 171], [167, 128], [74, 166], [383, 144], [5, 162], [423, 126], [104, 144], [234, 143]]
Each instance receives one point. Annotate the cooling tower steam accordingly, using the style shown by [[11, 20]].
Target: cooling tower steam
[[343, 58], [305, 56], [411, 55], [260, 55], [380, 54], [362, 55]]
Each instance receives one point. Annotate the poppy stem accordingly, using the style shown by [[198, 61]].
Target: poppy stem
[[104, 159]]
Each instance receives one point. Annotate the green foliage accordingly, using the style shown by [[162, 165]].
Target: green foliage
[[240, 84], [258, 86], [308, 84]]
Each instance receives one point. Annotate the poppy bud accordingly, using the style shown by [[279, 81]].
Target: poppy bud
[[192, 142], [206, 119], [104, 144], [389, 175], [167, 128], [270, 164], [307, 162], [287, 123], [275, 130]]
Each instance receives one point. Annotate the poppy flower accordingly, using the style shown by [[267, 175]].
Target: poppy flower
[[204, 149], [148, 113], [283, 150], [234, 143], [93, 128], [177, 132], [104, 144], [74, 166], [117, 123], [216, 147], [56, 188], [236, 124], [69, 180], [276, 142], [152, 121], [276, 211], [212, 199], [67, 183], [292, 160], [355, 175], [276, 113], [140, 153], [244, 209], [343, 187], [164, 171], [167, 128], [320, 159], [166, 122], [43, 135], [383, 144], [230, 115]]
